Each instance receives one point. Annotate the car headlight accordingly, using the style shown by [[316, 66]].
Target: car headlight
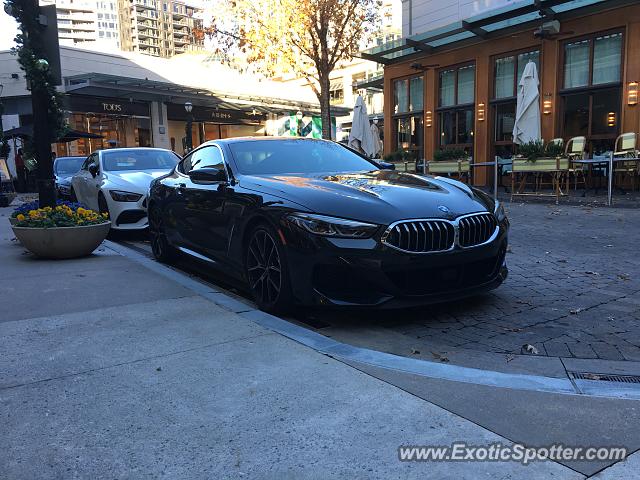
[[332, 226], [499, 212], [120, 196]]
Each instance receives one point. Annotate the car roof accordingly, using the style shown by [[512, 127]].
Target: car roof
[[229, 141], [129, 149]]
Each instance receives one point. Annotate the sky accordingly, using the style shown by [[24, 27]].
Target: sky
[[8, 30]]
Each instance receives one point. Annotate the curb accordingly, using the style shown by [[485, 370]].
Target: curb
[[349, 353]]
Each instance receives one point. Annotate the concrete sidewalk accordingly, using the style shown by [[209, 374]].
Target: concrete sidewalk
[[109, 370]]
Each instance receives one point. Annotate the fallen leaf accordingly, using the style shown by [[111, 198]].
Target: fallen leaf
[[624, 276], [512, 329], [510, 357], [575, 311], [159, 369], [608, 246], [591, 376], [528, 348], [589, 272], [562, 260], [415, 352], [437, 356]]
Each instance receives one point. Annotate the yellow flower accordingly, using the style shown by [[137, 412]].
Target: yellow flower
[[105, 215], [47, 209], [59, 208], [20, 217]]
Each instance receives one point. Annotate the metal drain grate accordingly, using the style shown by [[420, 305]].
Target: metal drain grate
[[605, 377]]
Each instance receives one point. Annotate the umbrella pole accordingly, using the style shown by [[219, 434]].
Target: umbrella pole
[[495, 178]]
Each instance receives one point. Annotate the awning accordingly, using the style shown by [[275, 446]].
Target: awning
[[517, 16], [114, 86], [25, 131]]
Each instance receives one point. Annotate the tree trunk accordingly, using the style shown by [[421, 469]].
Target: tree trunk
[[325, 106]]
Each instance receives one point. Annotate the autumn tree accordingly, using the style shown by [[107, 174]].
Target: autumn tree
[[308, 38]]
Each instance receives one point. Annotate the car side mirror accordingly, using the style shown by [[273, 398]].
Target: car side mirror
[[385, 165], [93, 170], [207, 175]]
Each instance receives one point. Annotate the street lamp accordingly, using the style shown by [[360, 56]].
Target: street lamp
[[188, 146], [299, 116]]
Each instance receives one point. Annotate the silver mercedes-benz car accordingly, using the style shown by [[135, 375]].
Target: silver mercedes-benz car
[[117, 181]]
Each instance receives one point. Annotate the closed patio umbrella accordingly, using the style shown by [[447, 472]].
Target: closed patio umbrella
[[527, 125], [360, 137], [375, 133]]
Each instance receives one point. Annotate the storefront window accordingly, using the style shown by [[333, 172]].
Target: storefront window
[[593, 61], [408, 122], [401, 96], [592, 111], [456, 110], [508, 71]]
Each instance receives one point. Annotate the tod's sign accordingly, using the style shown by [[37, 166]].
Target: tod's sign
[[108, 106]]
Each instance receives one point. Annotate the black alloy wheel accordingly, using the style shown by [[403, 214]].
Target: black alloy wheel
[[266, 271], [162, 251]]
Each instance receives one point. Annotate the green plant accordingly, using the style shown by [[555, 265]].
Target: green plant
[[532, 150], [400, 156], [554, 150], [449, 154], [29, 50]]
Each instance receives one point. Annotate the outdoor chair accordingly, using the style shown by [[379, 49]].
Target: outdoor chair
[[626, 147], [576, 150]]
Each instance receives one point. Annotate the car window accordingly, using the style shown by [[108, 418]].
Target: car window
[[139, 159], [185, 164], [269, 157], [90, 159], [207, 157], [67, 165]]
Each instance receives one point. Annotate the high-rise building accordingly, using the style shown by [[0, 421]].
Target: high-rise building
[[162, 28], [77, 21], [108, 26]]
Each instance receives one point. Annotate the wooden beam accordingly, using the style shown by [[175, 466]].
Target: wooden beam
[[375, 58]]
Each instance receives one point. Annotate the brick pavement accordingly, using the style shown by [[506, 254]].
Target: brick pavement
[[573, 289]]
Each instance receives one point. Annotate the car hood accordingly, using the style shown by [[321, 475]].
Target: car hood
[[379, 197], [134, 181]]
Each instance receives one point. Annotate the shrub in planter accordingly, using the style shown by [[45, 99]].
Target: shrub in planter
[[66, 231], [532, 150], [449, 155]]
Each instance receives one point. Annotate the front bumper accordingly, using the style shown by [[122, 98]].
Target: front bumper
[[366, 273], [128, 215]]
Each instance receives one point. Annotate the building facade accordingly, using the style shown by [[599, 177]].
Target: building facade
[[134, 100], [77, 21], [162, 28], [455, 86]]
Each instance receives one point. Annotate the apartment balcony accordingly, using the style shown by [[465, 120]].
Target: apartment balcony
[[149, 43], [147, 34], [180, 41], [145, 4], [182, 32], [147, 25]]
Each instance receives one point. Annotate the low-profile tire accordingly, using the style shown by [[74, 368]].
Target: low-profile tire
[[162, 250], [267, 272]]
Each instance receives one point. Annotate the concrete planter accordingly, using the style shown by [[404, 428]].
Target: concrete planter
[[62, 242], [13, 221]]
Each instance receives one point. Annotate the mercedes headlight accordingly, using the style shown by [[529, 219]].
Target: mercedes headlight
[[332, 226], [499, 212], [120, 196]]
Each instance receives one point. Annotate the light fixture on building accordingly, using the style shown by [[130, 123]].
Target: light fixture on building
[[611, 119], [188, 106], [481, 112], [547, 105], [429, 118], [632, 95], [299, 115]]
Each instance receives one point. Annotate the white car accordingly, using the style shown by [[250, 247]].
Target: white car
[[117, 181]]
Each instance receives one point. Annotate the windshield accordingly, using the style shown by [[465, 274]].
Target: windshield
[[272, 157], [68, 165], [118, 160]]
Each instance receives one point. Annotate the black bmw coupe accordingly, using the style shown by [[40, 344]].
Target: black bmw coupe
[[310, 222]]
